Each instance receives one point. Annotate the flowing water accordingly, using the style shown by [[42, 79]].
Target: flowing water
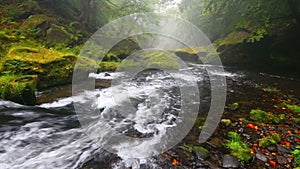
[[49, 136]]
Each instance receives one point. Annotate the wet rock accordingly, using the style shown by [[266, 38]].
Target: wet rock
[[261, 157], [282, 160], [187, 56], [272, 148], [282, 149], [230, 161], [201, 152]]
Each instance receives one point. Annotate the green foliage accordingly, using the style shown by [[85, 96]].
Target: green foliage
[[294, 108], [200, 148], [296, 154], [203, 152], [237, 147], [218, 18], [262, 116], [269, 140], [108, 66], [267, 89], [257, 36], [296, 120]]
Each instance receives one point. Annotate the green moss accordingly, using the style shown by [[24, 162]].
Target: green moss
[[59, 34], [294, 108], [35, 21], [226, 122], [150, 59], [233, 38], [125, 47], [269, 140], [235, 104], [296, 154], [20, 89], [296, 120], [271, 89], [209, 50], [237, 147], [52, 67], [268, 89], [204, 152], [262, 116], [108, 66]]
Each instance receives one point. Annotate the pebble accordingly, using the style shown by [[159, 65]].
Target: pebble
[[272, 148], [230, 161], [261, 157], [282, 160]]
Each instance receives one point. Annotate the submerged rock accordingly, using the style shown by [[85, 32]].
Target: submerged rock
[[230, 161]]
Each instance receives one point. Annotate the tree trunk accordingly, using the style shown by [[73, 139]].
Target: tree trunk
[[84, 17]]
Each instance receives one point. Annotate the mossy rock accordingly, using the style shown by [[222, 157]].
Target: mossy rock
[[196, 54], [52, 67], [124, 48], [150, 59], [141, 61], [108, 66], [266, 117], [269, 140], [238, 148], [58, 34], [37, 21], [19, 89]]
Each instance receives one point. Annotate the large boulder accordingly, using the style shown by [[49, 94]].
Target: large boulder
[[52, 67]]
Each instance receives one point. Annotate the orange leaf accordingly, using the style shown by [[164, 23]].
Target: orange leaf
[[175, 162], [272, 163]]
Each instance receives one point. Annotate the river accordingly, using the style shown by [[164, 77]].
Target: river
[[49, 135]]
